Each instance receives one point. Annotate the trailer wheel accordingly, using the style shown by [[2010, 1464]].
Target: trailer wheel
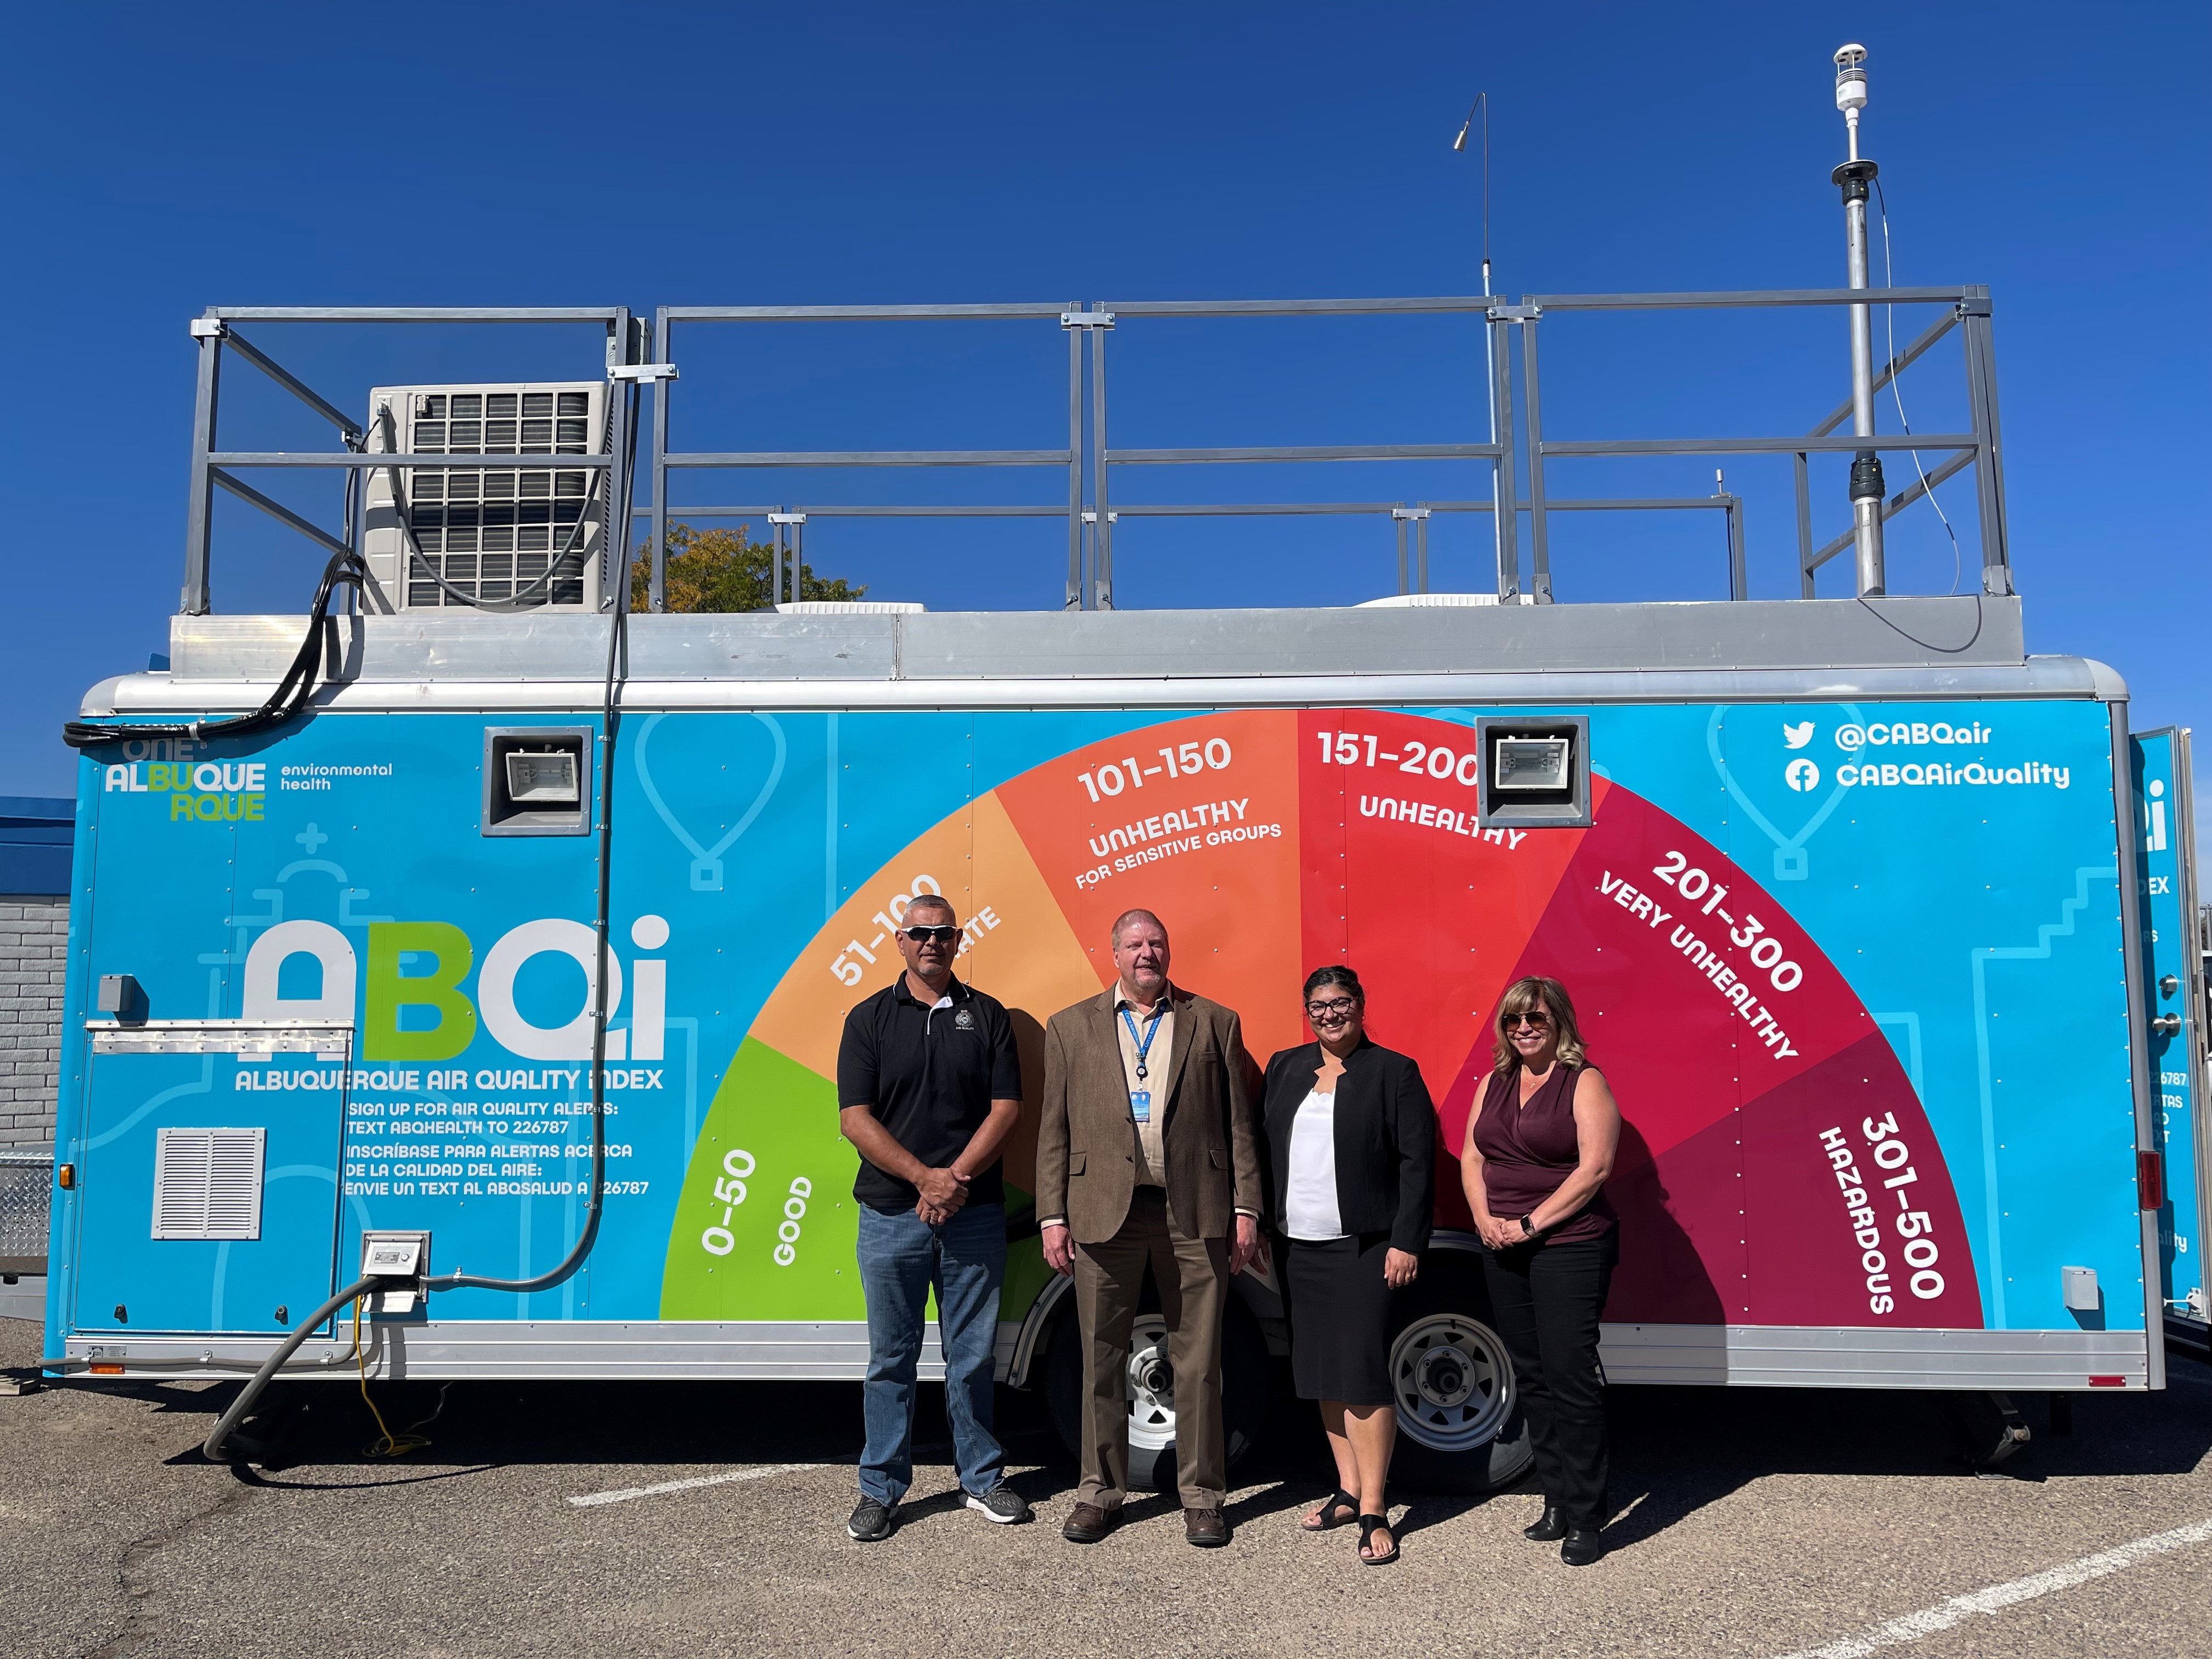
[[1248, 1390], [1460, 1425]]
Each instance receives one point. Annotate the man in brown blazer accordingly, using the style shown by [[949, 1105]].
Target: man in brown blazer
[[1147, 1151]]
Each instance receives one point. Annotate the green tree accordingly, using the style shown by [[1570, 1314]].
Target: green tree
[[716, 570]]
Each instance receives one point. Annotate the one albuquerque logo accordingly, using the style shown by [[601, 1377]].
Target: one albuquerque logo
[[212, 792]]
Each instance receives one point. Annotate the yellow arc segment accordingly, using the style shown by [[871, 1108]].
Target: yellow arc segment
[[1020, 949]]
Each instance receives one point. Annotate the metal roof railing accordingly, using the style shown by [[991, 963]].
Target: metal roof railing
[[1090, 462]]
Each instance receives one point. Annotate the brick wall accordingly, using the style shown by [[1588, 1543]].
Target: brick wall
[[34, 946]]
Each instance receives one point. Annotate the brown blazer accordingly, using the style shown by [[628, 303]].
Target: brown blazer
[[1086, 1160]]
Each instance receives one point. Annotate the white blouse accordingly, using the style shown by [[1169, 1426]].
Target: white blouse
[[1310, 1201]]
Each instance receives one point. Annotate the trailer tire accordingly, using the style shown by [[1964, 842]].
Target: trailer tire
[[1248, 1389], [1460, 1429]]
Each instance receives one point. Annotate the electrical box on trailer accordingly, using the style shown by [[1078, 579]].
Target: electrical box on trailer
[[493, 533], [400, 1262]]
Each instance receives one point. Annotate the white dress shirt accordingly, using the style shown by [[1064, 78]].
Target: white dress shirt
[[1310, 1198]]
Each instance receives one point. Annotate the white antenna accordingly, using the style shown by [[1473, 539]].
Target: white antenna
[[1854, 177], [1480, 106], [1852, 89]]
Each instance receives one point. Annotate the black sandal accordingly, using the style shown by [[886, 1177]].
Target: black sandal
[[1338, 1499], [1369, 1526]]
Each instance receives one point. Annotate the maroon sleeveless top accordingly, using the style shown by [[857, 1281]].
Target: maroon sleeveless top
[[1528, 1152]]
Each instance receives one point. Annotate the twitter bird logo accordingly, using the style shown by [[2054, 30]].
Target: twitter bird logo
[[1797, 736]]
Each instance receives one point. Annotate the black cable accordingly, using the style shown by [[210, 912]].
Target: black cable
[[1889, 280], [609, 718], [212, 1447], [526, 599], [617, 635], [1929, 645], [289, 699]]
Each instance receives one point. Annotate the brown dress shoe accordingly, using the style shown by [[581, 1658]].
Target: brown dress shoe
[[1205, 1527], [1087, 1523]]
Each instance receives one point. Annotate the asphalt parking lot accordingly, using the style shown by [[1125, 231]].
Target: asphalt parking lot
[[1751, 1522]]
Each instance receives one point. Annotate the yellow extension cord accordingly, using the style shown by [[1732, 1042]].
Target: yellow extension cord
[[386, 1444]]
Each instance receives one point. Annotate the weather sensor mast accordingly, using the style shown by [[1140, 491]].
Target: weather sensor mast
[[1854, 177]]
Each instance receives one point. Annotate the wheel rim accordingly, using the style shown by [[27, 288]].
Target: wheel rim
[[1149, 1382], [1452, 1383]]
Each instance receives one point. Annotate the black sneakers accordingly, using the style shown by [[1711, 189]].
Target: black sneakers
[[873, 1522], [1002, 1504]]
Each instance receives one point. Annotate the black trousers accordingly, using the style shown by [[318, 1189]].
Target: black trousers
[[1548, 1299]]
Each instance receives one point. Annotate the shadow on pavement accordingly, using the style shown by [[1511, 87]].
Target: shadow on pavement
[[1675, 1451]]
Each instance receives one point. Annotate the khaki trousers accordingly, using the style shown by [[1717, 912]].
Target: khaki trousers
[[1193, 1275]]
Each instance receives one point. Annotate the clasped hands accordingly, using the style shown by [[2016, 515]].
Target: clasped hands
[[1500, 1233], [943, 1192]]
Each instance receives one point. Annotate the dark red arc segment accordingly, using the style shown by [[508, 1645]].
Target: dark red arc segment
[[1731, 1210], [1683, 1261], [1690, 1004], [1810, 1265]]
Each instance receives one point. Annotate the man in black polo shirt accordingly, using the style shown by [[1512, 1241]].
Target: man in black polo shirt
[[928, 1086]]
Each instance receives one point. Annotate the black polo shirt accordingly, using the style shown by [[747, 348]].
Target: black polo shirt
[[930, 1075]]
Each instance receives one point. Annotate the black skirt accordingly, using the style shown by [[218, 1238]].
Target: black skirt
[[1340, 1313]]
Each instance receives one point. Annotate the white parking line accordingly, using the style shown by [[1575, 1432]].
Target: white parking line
[[757, 1472], [1944, 1614]]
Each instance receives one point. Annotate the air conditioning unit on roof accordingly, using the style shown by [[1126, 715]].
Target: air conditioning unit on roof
[[509, 538]]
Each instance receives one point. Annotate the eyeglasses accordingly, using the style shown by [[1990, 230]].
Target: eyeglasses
[[1337, 1008], [1535, 1017], [923, 935]]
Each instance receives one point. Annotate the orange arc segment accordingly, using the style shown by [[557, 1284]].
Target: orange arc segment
[[1212, 849]]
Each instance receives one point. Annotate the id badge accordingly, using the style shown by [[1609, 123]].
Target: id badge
[[1141, 1105]]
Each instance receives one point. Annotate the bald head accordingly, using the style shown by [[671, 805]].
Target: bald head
[[1128, 918]]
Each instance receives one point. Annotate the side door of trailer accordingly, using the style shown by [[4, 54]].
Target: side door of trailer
[[205, 1137], [2173, 995], [210, 1191]]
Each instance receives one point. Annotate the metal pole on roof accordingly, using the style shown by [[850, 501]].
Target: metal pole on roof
[[207, 334], [657, 529], [1854, 177], [1101, 535]]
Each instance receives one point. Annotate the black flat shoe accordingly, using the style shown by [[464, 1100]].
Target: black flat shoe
[[1369, 1526], [1331, 1513], [1583, 1546], [1550, 1528]]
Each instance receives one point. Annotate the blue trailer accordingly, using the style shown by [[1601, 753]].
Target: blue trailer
[[455, 972]]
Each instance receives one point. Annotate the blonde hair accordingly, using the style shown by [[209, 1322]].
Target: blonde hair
[[1525, 996]]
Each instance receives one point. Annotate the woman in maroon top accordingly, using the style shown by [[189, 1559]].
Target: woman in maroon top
[[1537, 1151]]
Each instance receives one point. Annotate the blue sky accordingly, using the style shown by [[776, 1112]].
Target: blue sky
[[156, 161]]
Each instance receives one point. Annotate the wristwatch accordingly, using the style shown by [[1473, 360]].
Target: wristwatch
[[1528, 1226]]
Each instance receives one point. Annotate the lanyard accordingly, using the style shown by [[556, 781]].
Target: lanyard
[[1145, 1044]]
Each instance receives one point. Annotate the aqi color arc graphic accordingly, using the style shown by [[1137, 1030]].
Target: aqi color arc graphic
[[1776, 1168]]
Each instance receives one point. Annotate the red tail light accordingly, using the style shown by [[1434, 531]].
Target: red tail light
[[2150, 1181]]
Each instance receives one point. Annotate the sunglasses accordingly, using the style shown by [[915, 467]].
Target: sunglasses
[[1513, 1022], [924, 935], [1338, 1008]]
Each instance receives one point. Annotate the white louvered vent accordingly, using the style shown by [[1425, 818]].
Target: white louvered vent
[[207, 1183], [494, 533]]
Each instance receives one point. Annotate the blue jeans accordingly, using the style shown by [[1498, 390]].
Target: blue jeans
[[903, 1259]]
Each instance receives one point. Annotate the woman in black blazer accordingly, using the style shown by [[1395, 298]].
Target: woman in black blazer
[[1351, 1139]]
